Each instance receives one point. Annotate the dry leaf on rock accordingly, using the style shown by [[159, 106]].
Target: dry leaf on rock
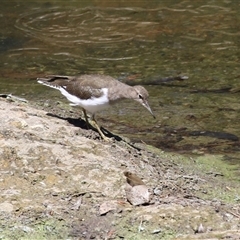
[[108, 206]]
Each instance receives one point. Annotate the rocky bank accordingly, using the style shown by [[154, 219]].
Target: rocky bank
[[60, 181]]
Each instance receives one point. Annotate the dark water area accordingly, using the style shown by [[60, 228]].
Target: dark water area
[[142, 42]]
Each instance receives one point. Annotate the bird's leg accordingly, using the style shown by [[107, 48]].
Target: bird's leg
[[94, 123], [86, 117]]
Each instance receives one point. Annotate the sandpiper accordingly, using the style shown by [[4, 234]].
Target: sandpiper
[[95, 92]]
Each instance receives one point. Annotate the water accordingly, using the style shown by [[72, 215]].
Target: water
[[137, 41]]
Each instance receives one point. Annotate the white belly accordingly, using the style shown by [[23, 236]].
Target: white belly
[[91, 105]]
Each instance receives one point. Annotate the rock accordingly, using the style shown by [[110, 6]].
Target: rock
[[136, 191], [137, 195], [63, 184], [107, 206], [6, 207]]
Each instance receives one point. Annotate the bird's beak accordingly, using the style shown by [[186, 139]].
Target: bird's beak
[[146, 105]]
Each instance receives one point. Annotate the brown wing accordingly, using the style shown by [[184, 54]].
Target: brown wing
[[83, 86], [83, 92]]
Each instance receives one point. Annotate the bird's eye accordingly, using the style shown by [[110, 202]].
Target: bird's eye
[[140, 96]]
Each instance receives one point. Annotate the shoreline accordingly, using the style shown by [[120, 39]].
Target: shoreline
[[55, 177]]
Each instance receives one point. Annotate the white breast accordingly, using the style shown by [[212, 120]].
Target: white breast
[[92, 104]]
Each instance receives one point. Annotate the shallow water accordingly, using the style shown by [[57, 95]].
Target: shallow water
[[136, 41]]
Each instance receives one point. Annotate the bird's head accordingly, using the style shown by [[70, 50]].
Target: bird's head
[[141, 96]]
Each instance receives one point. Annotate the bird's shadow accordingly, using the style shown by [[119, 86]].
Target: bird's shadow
[[78, 122]]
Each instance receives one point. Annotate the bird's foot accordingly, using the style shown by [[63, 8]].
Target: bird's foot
[[95, 125]]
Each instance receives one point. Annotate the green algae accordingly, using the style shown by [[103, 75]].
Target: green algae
[[224, 186]]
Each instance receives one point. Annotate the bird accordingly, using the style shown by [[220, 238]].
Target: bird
[[95, 92]]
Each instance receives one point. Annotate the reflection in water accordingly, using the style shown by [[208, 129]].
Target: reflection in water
[[199, 39]]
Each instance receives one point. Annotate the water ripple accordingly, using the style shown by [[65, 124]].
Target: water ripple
[[116, 34], [69, 28]]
